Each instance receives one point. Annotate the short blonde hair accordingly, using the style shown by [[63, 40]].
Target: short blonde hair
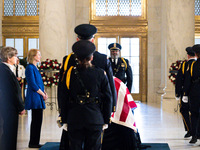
[[7, 52], [31, 54]]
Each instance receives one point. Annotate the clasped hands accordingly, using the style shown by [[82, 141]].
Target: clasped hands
[[45, 96]]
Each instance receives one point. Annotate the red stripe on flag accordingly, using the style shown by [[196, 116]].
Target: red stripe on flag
[[132, 104], [125, 110], [117, 84]]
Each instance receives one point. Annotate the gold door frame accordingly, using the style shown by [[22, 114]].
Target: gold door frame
[[126, 26], [25, 41], [142, 95], [20, 27]]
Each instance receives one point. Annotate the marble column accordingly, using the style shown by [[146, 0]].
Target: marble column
[[179, 27], [56, 24], [154, 52], [56, 34]]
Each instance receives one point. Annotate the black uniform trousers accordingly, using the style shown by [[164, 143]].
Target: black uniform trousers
[[88, 137], [195, 115], [184, 110], [36, 124]]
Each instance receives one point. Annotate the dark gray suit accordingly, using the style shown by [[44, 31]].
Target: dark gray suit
[[10, 106]]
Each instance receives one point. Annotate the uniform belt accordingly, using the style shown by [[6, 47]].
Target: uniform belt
[[196, 81], [84, 100]]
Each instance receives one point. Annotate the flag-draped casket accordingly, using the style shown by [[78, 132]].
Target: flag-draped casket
[[120, 135]]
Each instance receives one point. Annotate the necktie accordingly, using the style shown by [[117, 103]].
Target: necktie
[[17, 71]]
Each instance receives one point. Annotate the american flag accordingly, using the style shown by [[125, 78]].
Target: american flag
[[125, 104]]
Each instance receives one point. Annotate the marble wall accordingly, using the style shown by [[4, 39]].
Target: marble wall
[[57, 21], [154, 49], [170, 31], [180, 32], [82, 11]]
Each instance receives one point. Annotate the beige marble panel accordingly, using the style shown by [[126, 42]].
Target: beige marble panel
[[79, 3], [154, 24], [151, 75], [53, 29], [151, 91], [86, 3], [71, 20], [154, 3], [180, 34], [154, 37], [154, 12], [82, 15], [157, 64], [150, 64], [157, 74]]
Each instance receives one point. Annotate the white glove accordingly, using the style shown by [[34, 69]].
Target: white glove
[[105, 126], [65, 126], [185, 99], [177, 98]]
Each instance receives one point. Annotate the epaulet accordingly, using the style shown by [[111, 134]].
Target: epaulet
[[68, 76], [183, 67], [191, 69], [65, 65], [66, 61], [124, 63]]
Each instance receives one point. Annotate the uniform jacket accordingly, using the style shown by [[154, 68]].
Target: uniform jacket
[[99, 60], [180, 78], [123, 72], [34, 80], [192, 80], [96, 82], [21, 71]]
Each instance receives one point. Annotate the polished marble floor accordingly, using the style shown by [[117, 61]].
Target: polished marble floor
[[154, 125]]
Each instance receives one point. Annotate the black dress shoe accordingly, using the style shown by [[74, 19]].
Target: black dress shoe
[[35, 146], [187, 135], [193, 140]]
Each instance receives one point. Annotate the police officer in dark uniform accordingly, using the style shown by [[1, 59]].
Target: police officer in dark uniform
[[89, 102], [184, 107], [120, 66], [192, 89], [84, 32]]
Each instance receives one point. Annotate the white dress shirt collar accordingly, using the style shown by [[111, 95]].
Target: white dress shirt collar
[[12, 67]]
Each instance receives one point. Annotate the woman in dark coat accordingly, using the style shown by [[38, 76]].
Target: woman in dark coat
[[35, 97], [11, 104]]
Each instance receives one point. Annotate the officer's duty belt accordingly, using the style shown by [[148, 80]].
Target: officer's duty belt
[[84, 100], [196, 81]]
